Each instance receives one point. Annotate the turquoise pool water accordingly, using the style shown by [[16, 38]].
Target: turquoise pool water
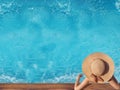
[[47, 40]]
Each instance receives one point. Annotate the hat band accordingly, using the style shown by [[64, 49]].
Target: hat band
[[97, 78]]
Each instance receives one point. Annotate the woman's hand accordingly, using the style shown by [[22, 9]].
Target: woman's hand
[[77, 81], [81, 85], [78, 77]]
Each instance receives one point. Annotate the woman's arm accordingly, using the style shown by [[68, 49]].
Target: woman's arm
[[113, 82], [82, 85]]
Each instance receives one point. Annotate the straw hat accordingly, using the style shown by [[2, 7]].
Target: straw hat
[[98, 64]]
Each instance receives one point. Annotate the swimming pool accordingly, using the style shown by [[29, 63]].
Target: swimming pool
[[44, 41]]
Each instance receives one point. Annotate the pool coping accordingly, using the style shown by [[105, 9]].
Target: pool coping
[[51, 86]]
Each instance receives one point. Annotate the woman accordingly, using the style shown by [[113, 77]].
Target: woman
[[98, 68]]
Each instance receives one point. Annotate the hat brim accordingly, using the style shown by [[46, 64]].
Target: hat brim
[[109, 66]]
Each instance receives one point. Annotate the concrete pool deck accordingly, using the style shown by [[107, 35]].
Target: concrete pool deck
[[62, 86]]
